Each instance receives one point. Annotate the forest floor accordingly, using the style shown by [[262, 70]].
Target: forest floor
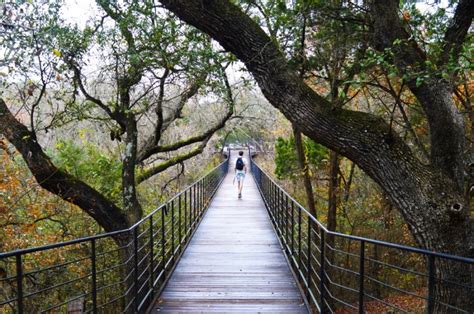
[[407, 303]]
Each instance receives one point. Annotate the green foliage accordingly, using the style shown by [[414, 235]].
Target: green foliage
[[90, 164], [286, 158]]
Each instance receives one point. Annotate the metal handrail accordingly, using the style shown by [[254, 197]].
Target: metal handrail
[[314, 253], [138, 269]]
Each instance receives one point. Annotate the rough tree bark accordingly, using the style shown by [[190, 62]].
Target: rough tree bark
[[434, 93], [428, 196]]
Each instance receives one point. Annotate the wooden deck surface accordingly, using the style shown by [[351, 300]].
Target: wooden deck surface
[[234, 262]]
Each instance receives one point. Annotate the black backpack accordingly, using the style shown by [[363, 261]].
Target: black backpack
[[239, 164]]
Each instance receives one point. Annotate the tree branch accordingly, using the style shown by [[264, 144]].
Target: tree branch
[[147, 174], [434, 94], [364, 138], [457, 31], [105, 212], [114, 115], [151, 144], [204, 137]]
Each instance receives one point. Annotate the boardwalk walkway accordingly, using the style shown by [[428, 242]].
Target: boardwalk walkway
[[234, 262]]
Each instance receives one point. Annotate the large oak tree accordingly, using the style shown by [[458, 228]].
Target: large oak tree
[[430, 196], [133, 70]]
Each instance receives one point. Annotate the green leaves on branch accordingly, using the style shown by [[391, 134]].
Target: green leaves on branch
[[286, 159], [89, 164]]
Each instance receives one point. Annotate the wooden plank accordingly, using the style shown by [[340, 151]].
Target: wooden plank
[[234, 262]]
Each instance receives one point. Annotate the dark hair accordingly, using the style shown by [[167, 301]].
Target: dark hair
[[241, 153]]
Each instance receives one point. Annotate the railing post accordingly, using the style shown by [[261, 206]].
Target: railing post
[[299, 236], [361, 276], [198, 187], [135, 260], [198, 203], [172, 228], [292, 228], [431, 283], [19, 283], [277, 191], [163, 239], [308, 266], [152, 266], [194, 205], [322, 273], [272, 201], [280, 212], [202, 194], [191, 208], [185, 215], [94, 276], [179, 223], [286, 223]]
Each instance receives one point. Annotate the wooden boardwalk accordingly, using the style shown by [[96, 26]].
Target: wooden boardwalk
[[234, 263]]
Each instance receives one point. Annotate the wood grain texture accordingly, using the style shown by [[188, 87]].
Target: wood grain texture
[[234, 262]]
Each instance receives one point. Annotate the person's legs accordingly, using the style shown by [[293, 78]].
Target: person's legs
[[240, 183]]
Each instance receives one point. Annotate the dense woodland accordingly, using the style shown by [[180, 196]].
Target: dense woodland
[[362, 110]]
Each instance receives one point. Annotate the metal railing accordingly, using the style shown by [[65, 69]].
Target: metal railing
[[116, 272], [347, 274]]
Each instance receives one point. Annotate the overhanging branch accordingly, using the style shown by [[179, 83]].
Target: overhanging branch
[[147, 174], [58, 182]]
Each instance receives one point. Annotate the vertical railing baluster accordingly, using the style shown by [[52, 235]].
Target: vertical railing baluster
[[163, 240], [94, 276], [190, 208], [299, 236], [287, 239], [292, 228], [277, 191], [19, 282], [202, 195], [282, 215], [152, 253], [172, 229], [179, 223], [194, 206], [280, 210], [322, 274], [186, 215], [274, 203], [308, 266], [431, 283], [361, 276], [198, 203], [135, 264]]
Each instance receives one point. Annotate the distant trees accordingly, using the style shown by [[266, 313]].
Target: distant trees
[[133, 72]]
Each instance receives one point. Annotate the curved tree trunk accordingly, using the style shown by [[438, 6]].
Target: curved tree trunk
[[49, 177]]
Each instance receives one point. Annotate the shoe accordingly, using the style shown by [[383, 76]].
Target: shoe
[[240, 195]]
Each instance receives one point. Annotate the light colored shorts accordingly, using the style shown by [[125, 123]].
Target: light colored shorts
[[240, 176]]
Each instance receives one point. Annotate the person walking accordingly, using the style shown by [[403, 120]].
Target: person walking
[[240, 171]]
